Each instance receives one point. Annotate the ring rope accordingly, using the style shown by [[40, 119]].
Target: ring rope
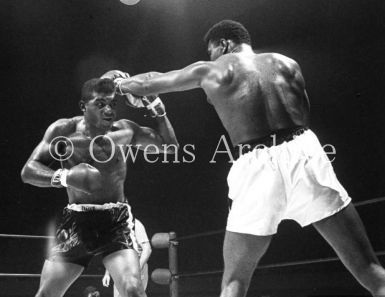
[[200, 234], [270, 266], [370, 201], [186, 275], [361, 203], [38, 275], [26, 236], [206, 273]]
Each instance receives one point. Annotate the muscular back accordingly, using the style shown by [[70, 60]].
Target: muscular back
[[257, 94]]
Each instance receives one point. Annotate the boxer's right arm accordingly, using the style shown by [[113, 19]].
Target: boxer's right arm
[[36, 171]]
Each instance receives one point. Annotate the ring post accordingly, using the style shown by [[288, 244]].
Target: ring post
[[173, 265]]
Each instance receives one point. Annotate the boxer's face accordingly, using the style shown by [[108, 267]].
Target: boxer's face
[[216, 49], [101, 110]]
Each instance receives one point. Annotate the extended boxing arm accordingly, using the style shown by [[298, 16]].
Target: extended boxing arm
[[190, 77]]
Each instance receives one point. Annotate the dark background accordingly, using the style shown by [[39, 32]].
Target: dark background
[[50, 48]]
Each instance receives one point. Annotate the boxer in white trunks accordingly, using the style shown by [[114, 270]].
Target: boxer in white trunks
[[281, 171]]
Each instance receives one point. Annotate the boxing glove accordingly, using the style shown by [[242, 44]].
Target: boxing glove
[[82, 177], [117, 76], [133, 101], [114, 74]]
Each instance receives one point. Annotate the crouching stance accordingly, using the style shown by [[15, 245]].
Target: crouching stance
[[96, 220]]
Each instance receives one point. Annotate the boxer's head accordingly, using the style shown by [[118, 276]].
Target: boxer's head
[[224, 36], [91, 292], [98, 102]]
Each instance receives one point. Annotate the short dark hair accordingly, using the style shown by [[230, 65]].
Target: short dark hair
[[88, 290], [228, 29], [98, 85]]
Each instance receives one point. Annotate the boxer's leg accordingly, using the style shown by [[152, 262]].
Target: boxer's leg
[[123, 265], [241, 253], [57, 277], [345, 232]]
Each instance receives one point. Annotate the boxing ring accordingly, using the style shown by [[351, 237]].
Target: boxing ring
[[171, 276]]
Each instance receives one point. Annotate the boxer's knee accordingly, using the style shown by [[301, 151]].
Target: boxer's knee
[[133, 287], [376, 277], [235, 281], [43, 293], [372, 277], [234, 288]]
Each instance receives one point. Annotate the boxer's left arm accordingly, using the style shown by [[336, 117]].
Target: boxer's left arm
[[190, 77], [114, 74], [161, 139]]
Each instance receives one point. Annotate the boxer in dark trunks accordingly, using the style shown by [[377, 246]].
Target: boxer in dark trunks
[[282, 171], [96, 220]]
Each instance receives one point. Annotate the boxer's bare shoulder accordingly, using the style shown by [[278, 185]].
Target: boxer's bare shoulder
[[63, 127], [124, 124], [280, 64], [132, 129]]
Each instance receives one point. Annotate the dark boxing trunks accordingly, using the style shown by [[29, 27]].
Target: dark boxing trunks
[[88, 230]]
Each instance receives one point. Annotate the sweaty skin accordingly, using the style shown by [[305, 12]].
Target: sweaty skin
[[258, 94], [101, 142], [253, 94], [113, 172], [95, 174]]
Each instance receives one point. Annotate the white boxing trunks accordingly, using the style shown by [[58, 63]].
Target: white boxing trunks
[[293, 180]]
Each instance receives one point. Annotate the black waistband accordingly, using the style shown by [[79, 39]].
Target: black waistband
[[276, 138]]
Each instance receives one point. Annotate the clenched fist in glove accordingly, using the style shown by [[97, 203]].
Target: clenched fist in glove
[[82, 177], [115, 74]]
